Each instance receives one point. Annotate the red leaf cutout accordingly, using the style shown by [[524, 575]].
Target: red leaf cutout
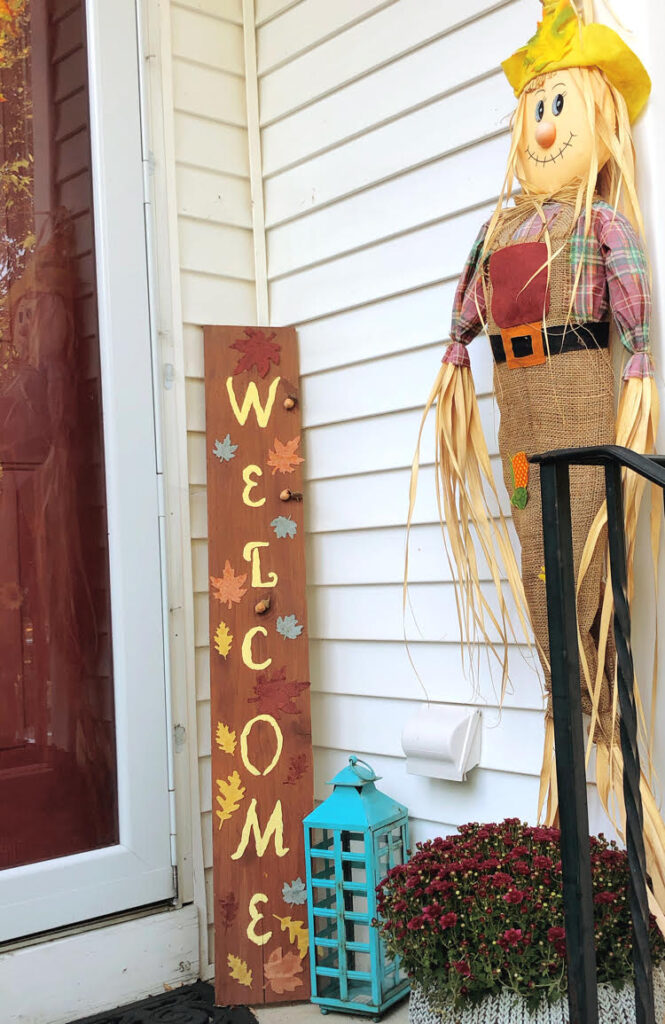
[[275, 696], [259, 350], [298, 765], [228, 908]]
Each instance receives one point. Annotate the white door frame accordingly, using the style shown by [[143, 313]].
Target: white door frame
[[138, 871]]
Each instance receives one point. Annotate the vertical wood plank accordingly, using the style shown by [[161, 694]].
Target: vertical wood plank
[[262, 778]]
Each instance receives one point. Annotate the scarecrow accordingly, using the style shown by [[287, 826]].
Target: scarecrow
[[547, 275]]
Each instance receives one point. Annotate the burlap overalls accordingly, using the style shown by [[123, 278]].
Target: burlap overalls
[[565, 401]]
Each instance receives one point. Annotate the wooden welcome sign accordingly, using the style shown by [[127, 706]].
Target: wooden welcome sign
[[259, 667]]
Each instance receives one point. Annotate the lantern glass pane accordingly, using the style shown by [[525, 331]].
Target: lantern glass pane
[[353, 842], [397, 850], [322, 840], [359, 990], [389, 973], [355, 903], [363, 963], [327, 987], [323, 875], [327, 957], [355, 872], [358, 933], [325, 928]]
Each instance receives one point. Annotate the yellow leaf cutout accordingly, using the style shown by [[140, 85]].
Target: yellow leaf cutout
[[231, 792], [297, 933], [223, 639], [225, 738], [239, 970]]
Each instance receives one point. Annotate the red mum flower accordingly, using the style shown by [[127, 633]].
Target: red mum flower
[[511, 937], [514, 896], [448, 920], [556, 934], [462, 967]]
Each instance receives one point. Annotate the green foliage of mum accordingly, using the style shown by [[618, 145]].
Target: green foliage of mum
[[482, 911]]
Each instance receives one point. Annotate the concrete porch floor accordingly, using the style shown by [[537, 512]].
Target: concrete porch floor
[[307, 1013]]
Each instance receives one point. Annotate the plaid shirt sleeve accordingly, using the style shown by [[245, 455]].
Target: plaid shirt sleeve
[[627, 275], [469, 306]]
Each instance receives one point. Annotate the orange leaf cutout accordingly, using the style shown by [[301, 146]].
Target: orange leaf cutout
[[229, 588], [239, 970], [281, 971], [283, 457]]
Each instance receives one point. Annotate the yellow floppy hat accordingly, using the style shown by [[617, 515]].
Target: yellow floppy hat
[[563, 41]]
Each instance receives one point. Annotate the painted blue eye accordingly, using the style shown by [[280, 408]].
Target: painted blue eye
[[557, 104], [540, 110]]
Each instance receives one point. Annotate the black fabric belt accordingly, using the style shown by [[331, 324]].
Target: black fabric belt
[[558, 340]]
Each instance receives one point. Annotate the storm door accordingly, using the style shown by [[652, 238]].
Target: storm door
[[84, 823]]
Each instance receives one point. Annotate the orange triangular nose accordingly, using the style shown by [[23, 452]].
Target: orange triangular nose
[[545, 134]]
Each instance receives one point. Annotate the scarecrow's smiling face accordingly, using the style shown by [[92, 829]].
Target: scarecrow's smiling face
[[557, 141]]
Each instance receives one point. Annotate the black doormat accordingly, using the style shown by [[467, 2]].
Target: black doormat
[[191, 1004]]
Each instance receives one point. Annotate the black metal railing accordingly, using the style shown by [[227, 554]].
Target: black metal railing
[[568, 729]]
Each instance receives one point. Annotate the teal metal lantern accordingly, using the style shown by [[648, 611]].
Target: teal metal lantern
[[352, 839]]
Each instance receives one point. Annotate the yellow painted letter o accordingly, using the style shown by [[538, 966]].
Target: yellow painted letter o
[[279, 737]]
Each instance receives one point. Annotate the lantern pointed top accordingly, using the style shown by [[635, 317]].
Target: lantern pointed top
[[357, 773]]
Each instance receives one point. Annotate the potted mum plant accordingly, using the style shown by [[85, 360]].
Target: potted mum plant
[[477, 921]]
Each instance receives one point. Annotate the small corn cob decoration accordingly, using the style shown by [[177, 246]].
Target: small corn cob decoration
[[520, 468]]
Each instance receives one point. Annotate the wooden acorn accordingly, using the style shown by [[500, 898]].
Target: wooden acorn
[[287, 495], [290, 402], [261, 607]]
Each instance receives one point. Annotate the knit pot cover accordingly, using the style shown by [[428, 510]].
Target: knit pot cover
[[613, 1007]]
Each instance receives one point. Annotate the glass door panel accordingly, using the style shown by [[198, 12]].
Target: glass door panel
[[85, 823], [58, 793]]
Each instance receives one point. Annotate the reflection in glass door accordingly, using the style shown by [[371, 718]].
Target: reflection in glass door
[[58, 792]]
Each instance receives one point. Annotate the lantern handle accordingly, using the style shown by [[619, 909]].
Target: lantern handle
[[354, 760]]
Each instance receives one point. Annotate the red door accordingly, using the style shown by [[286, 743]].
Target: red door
[[57, 742]]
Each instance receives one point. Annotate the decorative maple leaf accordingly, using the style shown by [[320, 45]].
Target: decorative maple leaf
[[229, 587], [284, 526], [297, 933], [239, 970], [227, 907], [281, 971], [225, 738], [258, 350], [224, 450], [223, 639], [288, 626], [275, 696], [295, 893], [298, 765], [231, 792], [283, 457]]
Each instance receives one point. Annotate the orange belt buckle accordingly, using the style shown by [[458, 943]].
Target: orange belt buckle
[[532, 332]]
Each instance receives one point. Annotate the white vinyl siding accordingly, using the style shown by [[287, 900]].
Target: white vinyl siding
[[384, 144], [217, 274]]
